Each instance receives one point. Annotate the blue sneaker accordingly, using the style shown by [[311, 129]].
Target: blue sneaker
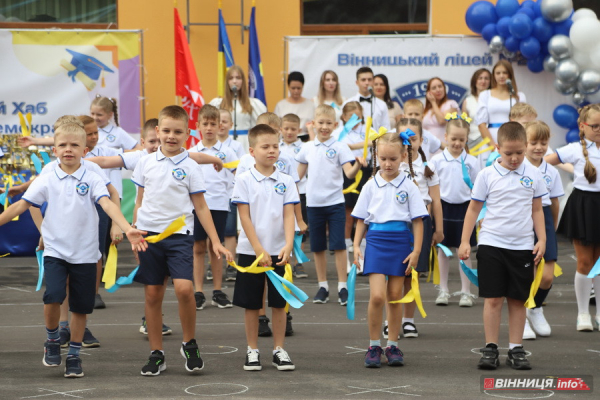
[[73, 368], [89, 340], [373, 357], [322, 296], [52, 353], [343, 297], [394, 356], [65, 336]]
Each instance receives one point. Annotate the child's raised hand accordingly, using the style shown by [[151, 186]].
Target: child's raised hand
[[219, 249], [464, 251], [136, 238], [539, 249], [412, 259], [25, 141], [284, 255]]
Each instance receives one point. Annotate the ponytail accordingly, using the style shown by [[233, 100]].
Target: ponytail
[[589, 170]]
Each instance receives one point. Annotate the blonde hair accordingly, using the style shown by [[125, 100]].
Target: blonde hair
[[537, 130], [174, 112], [414, 103], [337, 94], [324, 109], [71, 129], [589, 170], [270, 119], [108, 104], [405, 122], [521, 110], [349, 107], [227, 102], [293, 118], [392, 138], [67, 119], [223, 111]]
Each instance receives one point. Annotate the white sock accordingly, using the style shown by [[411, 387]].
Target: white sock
[[583, 287], [324, 284], [411, 320], [253, 350], [513, 345], [444, 263], [465, 284], [342, 285], [348, 242]]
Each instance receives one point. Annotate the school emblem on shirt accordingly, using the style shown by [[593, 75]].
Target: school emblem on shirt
[[280, 165], [296, 150], [362, 135], [425, 140], [527, 182], [221, 155], [280, 188], [82, 188], [402, 197], [179, 174], [548, 181], [330, 153], [111, 138]]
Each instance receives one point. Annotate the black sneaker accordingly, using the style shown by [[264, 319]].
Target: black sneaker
[[289, 331], [384, 330], [52, 353], [209, 275], [230, 274], [489, 358], [65, 336], [73, 367], [191, 354], [322, 296], [98, 302], [220, 300], [89, 340], [299, 271], [252, 361], [263, 326], [200, 300], [343, 297], [282, 360], [155, 365], [166, 330], [409, 333], [517, 359]]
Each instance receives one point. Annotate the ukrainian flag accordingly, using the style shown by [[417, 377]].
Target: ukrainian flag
[[256, 83], [225, 58]]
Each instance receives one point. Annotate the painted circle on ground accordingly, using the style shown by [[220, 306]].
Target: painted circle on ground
[[476, 351], [214, 349], [217, 389], [527, 394]]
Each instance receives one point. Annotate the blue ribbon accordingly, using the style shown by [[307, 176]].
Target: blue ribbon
[[482, 213], [36, 163], [298, 253], [446, 250], [40, 259], [278, 283], [45, 157], [123, 280], [465, 173], [354, 119], [595, 272], [406, 135], [470, 273], [351, 289], [334, 105], [3, 195], [492, 158]]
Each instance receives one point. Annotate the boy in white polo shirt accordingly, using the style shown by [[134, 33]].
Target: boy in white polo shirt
[[506, 255], [219, 186], [170, 184], [265, 198], [70, 232], [325, 159]]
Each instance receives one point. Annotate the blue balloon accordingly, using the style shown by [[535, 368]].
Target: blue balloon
[[537, 8], [572, 136], [507, 8], [563, 28], [542, 30], [527, 11], [512, 43], [536, 64], [528, 4], [479, 14], [502, 27], [489, 31], [530, 47], [566, 116], [520, 26]]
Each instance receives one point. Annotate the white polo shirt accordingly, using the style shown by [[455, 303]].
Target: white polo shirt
[[131, 158], [92, 166], [509, 195], [283, 164], [235, 146], [573, 153], [424, 183], [552, 180], [219, 185], [70, 226], [168, 183], [325, 174], [430, 144], [116, 137], [266, 197], [382, 201], [357, 136], [113, 173], [453, 188], [290, 151]]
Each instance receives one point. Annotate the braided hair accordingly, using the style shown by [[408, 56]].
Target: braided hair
[[589, 170], [405, 122]]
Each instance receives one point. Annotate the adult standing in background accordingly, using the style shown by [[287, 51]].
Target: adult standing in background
[[296, 104], [437, 105], [381, 87], [480, 81], [364, 82], [329, 93]]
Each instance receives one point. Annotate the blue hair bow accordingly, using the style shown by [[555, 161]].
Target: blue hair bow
[[406, 135]]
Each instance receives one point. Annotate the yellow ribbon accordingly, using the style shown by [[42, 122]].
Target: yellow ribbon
[[374, 135], [288, 276], [367, 129], [231, 165], [414, 294], [433, 264], [535, 285], [253, 268], [171, 229], [476, 153], [24, 126], [557, 270], [354, 185], [451, 116], [110, 268], [479, 145], [465, 117], [4, 255]]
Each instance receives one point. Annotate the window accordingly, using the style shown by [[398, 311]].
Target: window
[[57, 13], [351, 17]]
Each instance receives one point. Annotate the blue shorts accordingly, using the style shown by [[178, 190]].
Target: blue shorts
[[386, 249], [321, 218], [82, 284], [171, 256], [249, 288], [551, 242], [219, 220], [103, 233], [231, 223]]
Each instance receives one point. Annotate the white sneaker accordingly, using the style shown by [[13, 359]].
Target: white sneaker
[[384, 331], [528, 333], [538, 322], [584, 323], [597, 320], [442, 299], [466, 300]]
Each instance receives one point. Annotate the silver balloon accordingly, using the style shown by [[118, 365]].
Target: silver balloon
[[560, 47], [578, 98], [508, 54], [556, 10], [550, 63], [567, 71], [496, 44], [564, 88], [588, 82]]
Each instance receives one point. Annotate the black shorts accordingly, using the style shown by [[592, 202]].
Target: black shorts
[[82, 284], [172, 256], [504, 272], [219, 219], [249, 288]]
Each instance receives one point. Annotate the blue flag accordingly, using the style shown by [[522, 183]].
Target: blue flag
[[225, 56], [256, 82]]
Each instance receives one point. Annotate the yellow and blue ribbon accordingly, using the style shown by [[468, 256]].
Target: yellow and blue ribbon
[[39, 254], [535, 285], [123, 280], [25, 125], [298, 253], [351, 293], [414, 294], [470, 273], [354, 119]]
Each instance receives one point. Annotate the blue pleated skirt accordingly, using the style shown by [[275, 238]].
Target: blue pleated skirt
[[385, 251]]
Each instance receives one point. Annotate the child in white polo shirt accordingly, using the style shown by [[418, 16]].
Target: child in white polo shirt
[[70, 232], [265, 198], [170, 184], [326, 160], [506, 255]]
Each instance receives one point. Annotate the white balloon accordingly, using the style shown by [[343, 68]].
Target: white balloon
[[583, 13], [595, 57], [593, 98], [583, 59], [584, 34]]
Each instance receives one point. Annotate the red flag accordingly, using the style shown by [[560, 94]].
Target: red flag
[[186, 80]]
